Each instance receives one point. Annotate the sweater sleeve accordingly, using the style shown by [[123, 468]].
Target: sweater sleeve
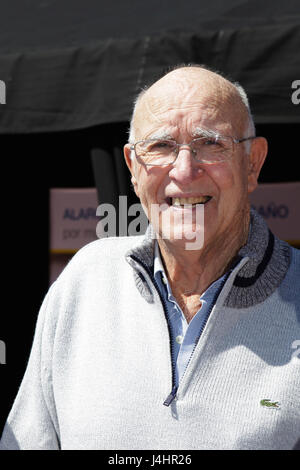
[[32, 423]]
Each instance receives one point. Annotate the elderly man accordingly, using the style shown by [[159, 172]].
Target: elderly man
[[182, 340]]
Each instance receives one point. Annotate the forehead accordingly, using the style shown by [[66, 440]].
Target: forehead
[[184, 102]]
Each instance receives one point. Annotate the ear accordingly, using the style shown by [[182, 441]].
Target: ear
[[258, 153], [131, 166]]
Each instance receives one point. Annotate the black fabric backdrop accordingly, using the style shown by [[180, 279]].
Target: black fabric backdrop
[[74, 64]]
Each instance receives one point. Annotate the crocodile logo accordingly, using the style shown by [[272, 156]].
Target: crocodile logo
[[270, 404]]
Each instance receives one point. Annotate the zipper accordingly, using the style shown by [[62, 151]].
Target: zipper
[[204, 323], [172, 395]]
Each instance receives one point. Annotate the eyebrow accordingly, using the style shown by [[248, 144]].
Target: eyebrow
[[161, 135], [199, 132]]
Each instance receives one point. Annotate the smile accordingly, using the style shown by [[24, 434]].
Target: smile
[[192, 201]]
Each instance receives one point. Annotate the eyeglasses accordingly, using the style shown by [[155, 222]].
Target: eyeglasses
[[208, 149]]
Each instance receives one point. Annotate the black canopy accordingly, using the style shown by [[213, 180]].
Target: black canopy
[[76, 64]]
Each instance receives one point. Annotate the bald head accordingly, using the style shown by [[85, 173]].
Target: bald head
[[192, 86]]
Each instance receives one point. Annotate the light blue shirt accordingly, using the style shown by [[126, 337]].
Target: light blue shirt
[[184, 335]]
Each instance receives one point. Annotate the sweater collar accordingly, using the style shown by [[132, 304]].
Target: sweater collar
[[267, 261]]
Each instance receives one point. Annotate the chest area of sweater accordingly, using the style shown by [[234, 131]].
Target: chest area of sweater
[[115, 369], [229, 403]]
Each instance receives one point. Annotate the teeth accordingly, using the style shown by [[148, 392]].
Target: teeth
[[180, 201]]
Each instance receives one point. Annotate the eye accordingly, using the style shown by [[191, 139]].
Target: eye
[[159, 145], [210, 141]]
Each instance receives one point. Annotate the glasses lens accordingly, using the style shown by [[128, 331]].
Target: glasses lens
[[208, 149], [156, 152], [212, 149]]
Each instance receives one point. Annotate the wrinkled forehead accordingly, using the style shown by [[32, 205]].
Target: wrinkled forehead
[[197, 99]]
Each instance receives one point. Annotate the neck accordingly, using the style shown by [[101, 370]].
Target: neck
[[191, 272]]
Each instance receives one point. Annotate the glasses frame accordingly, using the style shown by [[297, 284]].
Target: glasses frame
[[140, 160]]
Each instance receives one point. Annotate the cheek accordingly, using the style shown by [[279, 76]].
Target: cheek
[[148, 183], [231, 182], [223, 177]]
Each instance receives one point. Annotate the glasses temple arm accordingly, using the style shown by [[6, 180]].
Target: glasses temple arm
[[238, 141]]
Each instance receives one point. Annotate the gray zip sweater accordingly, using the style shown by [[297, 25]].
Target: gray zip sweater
[[100, 366]]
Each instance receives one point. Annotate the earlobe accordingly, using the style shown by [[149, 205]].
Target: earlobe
[[134, 182], [258, 153], [130, 165], [127, 155]]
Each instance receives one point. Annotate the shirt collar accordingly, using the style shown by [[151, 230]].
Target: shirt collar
[[159, 274], [159, 271], [158, 264]]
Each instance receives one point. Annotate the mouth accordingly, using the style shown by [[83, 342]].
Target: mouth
[[191, 201]]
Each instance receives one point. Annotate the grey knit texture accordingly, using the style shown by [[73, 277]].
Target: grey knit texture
[[273, 272], [265, 268]]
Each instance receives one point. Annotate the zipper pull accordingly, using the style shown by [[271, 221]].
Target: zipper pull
[[171, 397]]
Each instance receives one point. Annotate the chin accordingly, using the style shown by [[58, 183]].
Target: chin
[[186, 238]]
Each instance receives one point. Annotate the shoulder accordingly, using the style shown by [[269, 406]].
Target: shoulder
[[104, 253], [290, 284], [295, 261], [108, 247]]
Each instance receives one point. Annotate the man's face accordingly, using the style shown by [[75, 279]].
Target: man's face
[[178, 110]]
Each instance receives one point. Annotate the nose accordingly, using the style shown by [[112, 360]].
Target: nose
[[185, 169]]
